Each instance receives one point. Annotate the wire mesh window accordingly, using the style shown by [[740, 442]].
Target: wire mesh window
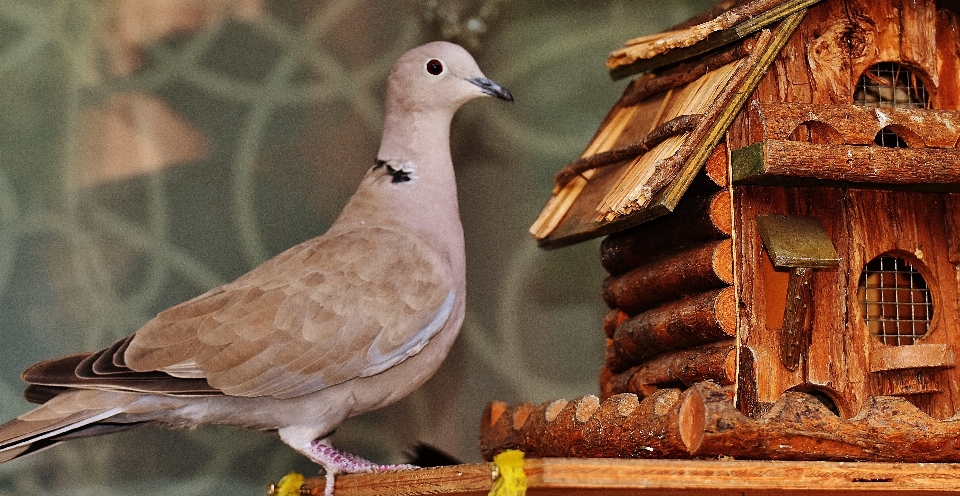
[[889, 84], [896, 301]]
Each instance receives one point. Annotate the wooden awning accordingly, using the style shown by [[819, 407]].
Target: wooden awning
[[662, 130]]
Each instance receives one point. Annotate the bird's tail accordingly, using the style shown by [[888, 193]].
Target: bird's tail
[[70, 415]]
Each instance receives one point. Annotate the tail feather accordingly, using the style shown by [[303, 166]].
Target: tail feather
[[73, 414], [21, 436], [9, 454]]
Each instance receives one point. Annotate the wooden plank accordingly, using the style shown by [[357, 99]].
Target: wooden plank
[[463, 480], [816, 65], [659, 50], [947, 96], [918, 33], [920, 386], [617, 477], [794, 163], [578, 224], [762, 290], [875, 33], [915, 356]]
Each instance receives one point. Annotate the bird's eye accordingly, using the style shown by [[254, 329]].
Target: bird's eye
[[434, 67]]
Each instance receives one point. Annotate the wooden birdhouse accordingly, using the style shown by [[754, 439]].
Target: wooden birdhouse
[[778, 191]]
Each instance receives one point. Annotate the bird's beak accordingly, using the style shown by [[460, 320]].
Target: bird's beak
[[490, 88]]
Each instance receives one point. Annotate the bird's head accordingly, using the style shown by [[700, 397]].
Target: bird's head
[[439, 75]]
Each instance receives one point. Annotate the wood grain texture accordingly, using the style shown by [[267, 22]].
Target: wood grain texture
[[914, 227], [763, 291], [621, 426], [702, 421], [797, 163], [716, 362], [917, 356], [858, 125], [675, 173], [618, 477], [701, 217], [670, 277], [812, 82], [799, 427], [700, 319]]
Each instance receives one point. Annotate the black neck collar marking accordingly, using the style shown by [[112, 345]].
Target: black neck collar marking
[[399, 175]]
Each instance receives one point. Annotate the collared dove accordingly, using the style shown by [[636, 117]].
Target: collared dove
[[336, 326]]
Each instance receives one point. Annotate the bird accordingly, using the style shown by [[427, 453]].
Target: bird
[[339, 325]]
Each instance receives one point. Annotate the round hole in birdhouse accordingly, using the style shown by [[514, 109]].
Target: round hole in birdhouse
[[895, 300], [889, 139], [889, 84], [896, 136]]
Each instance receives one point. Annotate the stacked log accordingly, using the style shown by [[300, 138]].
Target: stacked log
[[622, 426], [703, 421], [672, 318]]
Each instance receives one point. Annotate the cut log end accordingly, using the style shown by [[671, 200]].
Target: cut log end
[[727, 310], [586, 407], [716, 166], [553, 410], [522, 414], [492, 413], [692, 420]]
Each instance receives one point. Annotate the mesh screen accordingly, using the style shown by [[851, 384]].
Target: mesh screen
[[889, 84], [896, 301]]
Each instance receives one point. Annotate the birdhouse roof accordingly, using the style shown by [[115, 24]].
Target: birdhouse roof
[[695, 79]]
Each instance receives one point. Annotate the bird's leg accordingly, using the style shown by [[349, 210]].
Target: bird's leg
[[335, 462]]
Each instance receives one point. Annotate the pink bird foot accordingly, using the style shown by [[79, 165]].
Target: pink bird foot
[[341, 462]]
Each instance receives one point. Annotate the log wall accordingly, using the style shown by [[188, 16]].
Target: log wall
[[673, 309]]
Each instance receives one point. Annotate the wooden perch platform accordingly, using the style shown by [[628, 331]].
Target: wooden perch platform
[[617, 477], [702, 421]]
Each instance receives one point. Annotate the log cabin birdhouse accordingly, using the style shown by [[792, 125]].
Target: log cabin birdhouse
[[777, 189]]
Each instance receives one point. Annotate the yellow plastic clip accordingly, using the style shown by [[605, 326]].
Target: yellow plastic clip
[[507, 474], [289, 485]]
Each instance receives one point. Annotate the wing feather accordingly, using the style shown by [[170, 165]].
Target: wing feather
[[326, 311]]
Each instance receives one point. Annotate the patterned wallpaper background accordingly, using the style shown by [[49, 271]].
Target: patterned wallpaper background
[[152, 149]]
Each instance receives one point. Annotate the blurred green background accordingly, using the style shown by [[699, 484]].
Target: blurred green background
[[152, 149]]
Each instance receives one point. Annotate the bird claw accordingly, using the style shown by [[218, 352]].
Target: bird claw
[[335, 462]]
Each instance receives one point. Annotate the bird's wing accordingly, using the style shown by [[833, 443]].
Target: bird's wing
[[326, 311], [331, 309]]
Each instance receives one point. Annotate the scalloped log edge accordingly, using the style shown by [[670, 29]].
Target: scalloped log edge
[[702, 422]]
